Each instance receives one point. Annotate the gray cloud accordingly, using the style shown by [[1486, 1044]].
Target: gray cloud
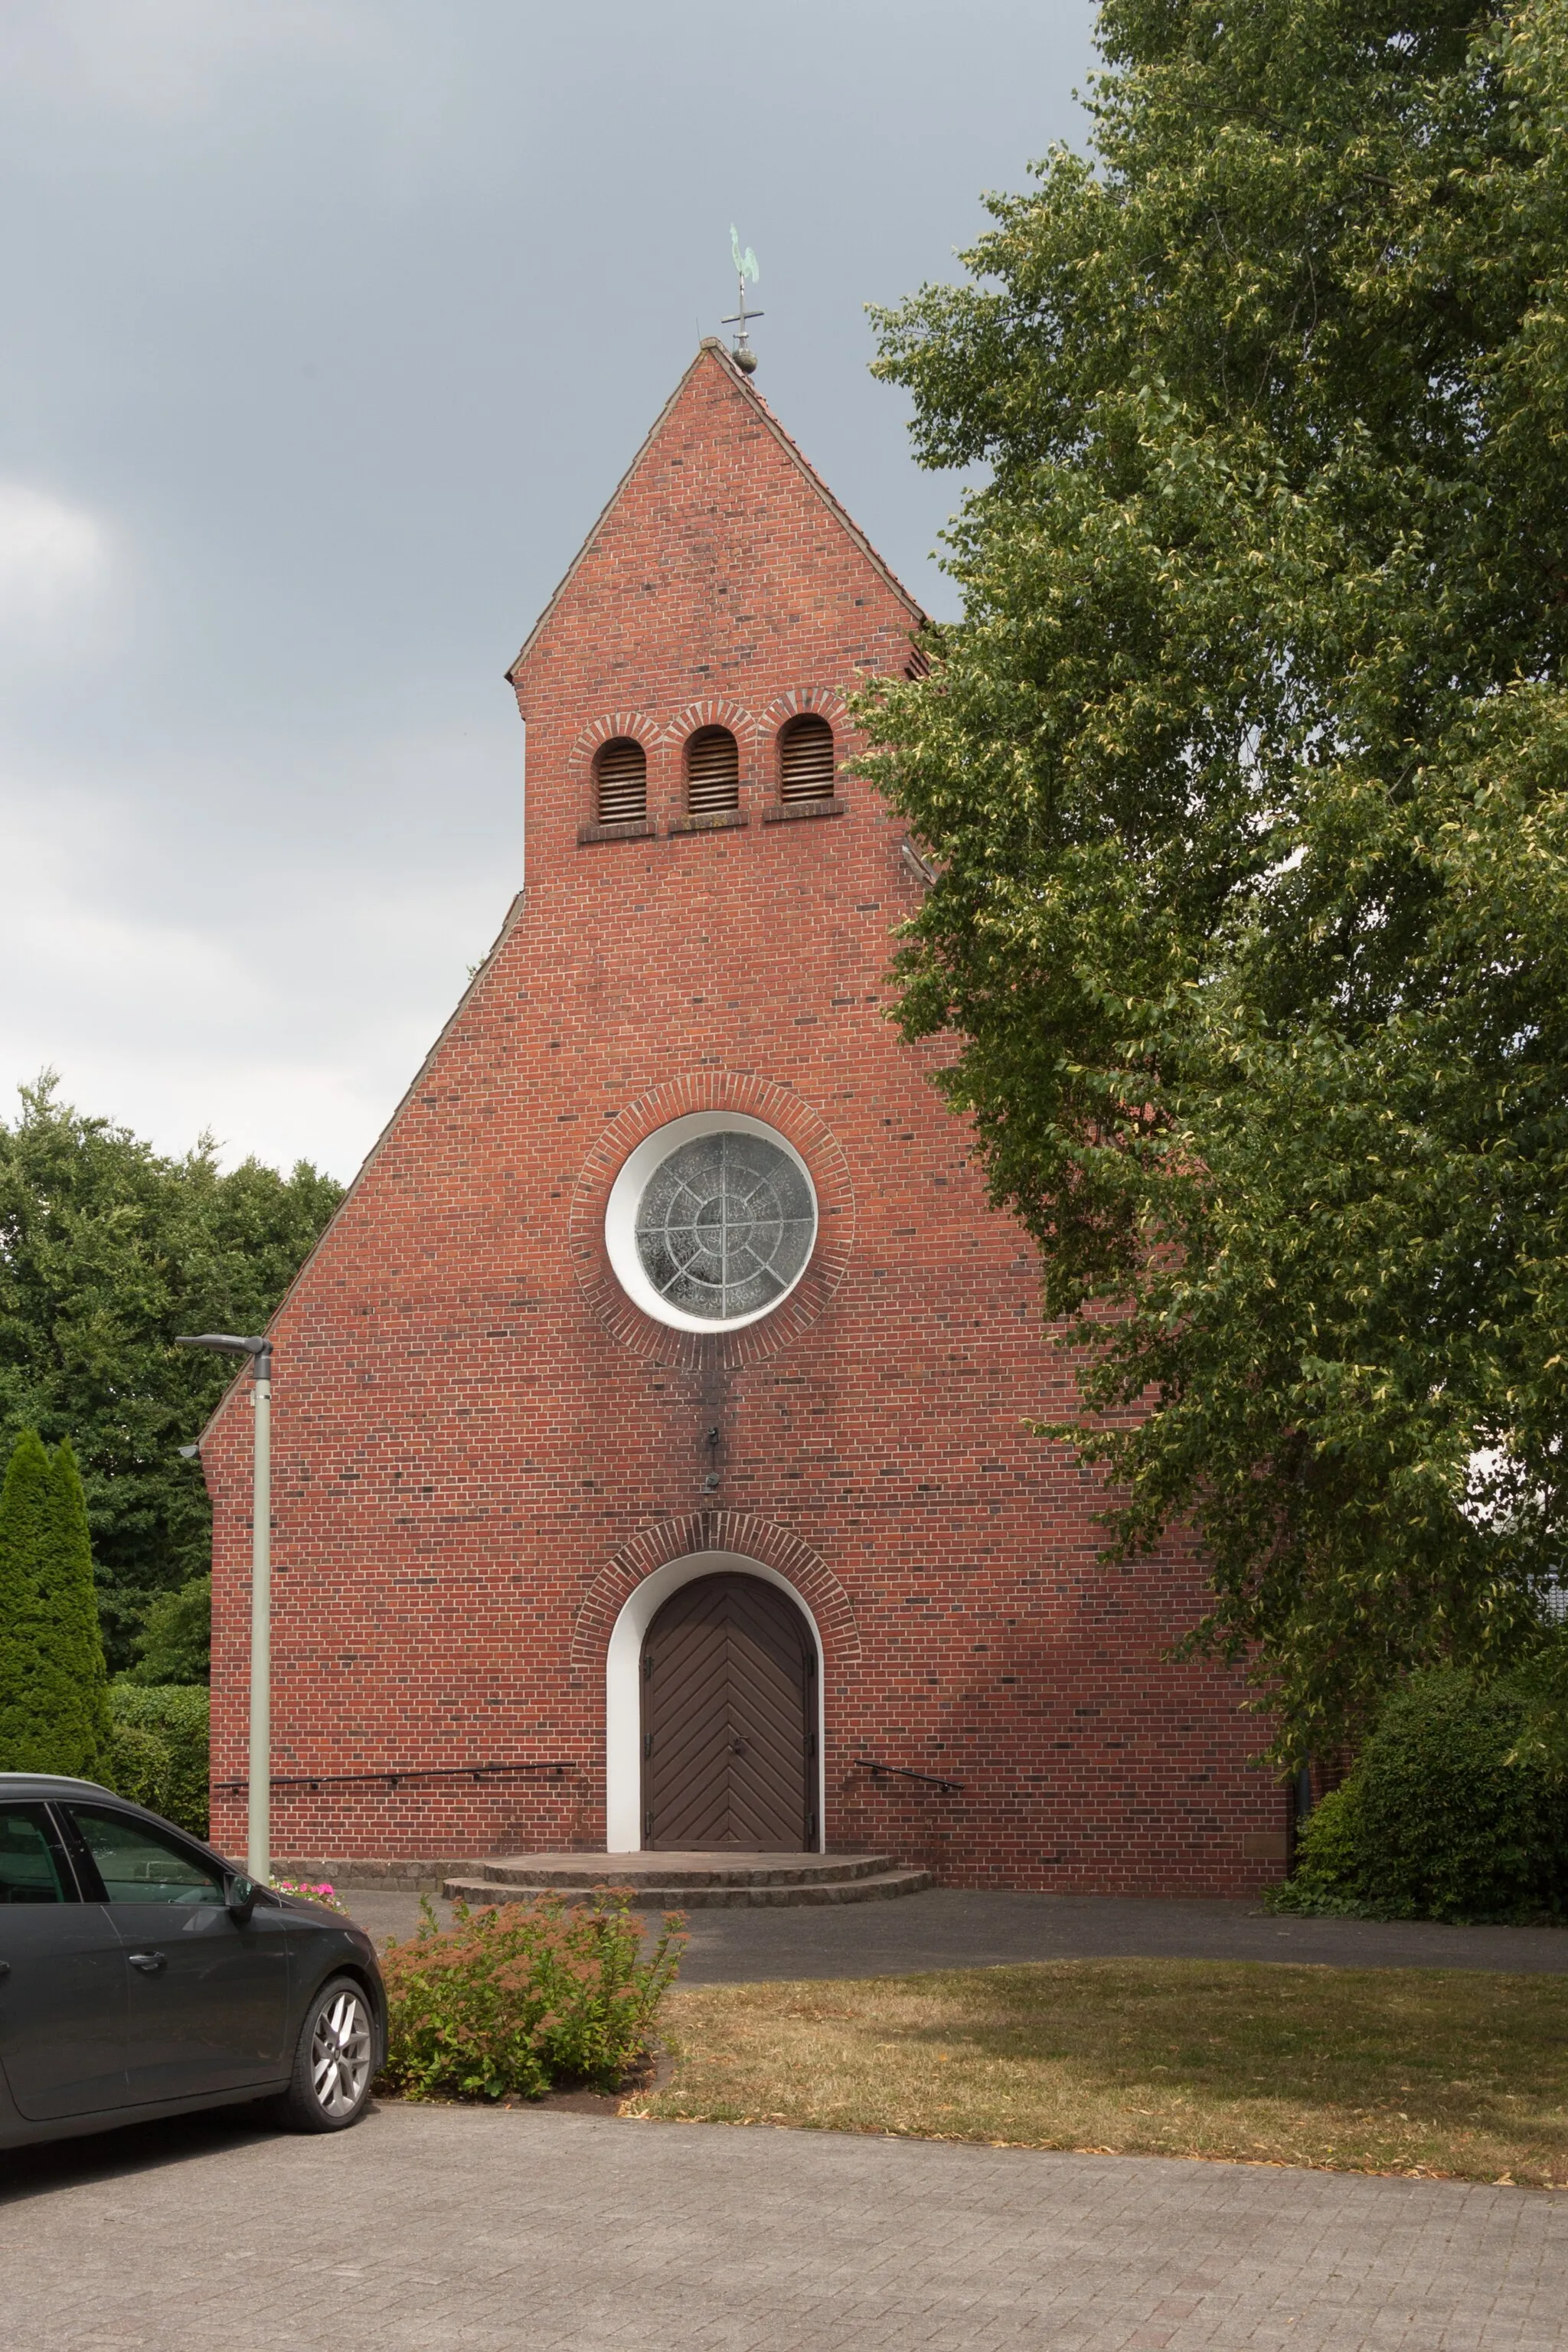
[[330, 328]]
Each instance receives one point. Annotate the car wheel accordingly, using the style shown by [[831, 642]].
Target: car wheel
[[334, 2060]]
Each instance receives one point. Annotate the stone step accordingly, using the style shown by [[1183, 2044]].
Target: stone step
[[734, 1868], [880, 1886]]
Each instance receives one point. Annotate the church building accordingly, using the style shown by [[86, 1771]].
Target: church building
[[651, 1448]]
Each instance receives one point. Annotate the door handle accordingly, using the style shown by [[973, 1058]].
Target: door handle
[[4, 1967], [148, 1962]]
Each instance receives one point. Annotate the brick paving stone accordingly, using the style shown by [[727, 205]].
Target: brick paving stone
[[429, 2227]]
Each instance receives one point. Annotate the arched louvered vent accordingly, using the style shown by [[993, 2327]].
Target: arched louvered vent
[[620, 774], [806, 760], [712, 771]]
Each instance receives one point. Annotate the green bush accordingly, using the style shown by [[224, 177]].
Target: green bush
[[1327, 1875], [1444, 1816], [510, 2000], [158, 1749]]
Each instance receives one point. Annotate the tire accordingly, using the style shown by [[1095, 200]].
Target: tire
[[334, 2060]]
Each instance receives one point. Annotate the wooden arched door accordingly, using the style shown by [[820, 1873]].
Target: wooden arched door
[[729, 1720]]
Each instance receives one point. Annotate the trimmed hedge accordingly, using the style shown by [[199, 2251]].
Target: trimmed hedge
[[1435, 1822], [158, 1749]]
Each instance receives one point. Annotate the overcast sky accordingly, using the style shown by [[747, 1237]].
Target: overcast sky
[[328, 325]]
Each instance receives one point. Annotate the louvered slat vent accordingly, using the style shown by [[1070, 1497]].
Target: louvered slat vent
[[806, 760], [712, 771], [622, 772]]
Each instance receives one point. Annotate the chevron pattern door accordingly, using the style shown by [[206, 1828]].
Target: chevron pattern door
[[729, 1720]]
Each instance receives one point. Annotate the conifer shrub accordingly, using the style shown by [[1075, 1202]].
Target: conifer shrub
[[508, 2001], [54, 1706], [1446, 1816], [158, 1749]]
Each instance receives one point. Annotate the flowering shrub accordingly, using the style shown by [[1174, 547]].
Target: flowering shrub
[[324, 1893], [514, 1998]]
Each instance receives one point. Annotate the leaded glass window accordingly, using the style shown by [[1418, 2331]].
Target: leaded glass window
[[724, 1225]]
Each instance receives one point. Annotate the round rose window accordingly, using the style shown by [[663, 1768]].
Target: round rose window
[[712, 1222]]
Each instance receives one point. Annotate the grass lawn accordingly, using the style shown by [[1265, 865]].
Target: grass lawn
[[1417, 2071]]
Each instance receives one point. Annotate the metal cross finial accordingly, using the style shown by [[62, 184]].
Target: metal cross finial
[[745, 262]]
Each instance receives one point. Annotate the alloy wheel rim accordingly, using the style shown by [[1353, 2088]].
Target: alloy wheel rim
[[340, 2053]]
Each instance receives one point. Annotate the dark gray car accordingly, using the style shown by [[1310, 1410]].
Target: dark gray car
[[141, 1975]]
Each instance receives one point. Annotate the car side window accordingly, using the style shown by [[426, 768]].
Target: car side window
[[139, 1864], [32, 1867]]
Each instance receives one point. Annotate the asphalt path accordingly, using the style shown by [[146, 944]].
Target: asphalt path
[[946, 1928]]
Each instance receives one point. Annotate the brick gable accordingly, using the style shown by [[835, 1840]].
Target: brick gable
[[481, 1445]]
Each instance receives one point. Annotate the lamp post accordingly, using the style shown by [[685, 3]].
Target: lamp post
[[258, 1803]]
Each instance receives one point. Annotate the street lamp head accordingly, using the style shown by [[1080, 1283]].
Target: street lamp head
[[187, 1452], [230, 1343]]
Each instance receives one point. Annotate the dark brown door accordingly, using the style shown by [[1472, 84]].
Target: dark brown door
[[729, 1720]]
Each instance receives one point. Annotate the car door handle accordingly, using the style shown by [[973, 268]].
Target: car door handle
[[148, 1962], [4, 1967]]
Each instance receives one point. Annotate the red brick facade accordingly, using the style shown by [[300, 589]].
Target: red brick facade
[[482, 1447]]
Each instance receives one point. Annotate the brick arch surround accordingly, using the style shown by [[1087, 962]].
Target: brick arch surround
[[714, 711], [742, 1532], [608, 729], [820, 702], [779, 1107]]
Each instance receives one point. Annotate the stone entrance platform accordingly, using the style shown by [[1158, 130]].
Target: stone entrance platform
[[727, 1881]]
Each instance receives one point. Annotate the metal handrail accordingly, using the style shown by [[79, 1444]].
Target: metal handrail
[[877, 1769], [394, 1776]]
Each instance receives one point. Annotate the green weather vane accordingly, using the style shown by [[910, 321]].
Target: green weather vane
[[746, 267]]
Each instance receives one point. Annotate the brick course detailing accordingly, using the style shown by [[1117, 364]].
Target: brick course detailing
[[481, 1447]]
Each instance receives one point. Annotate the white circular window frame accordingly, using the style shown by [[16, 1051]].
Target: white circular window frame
[[625, 1195]]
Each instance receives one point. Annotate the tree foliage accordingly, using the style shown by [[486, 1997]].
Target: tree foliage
[[175, 1645], [1244, 780], [54, 1703], [108, 1250]]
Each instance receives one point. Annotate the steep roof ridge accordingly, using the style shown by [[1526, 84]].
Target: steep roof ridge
[[793, 450], [712, 349]]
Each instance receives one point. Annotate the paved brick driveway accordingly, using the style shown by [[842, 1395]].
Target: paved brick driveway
[[436, 2228]]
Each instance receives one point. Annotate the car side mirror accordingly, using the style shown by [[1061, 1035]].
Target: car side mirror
[[240, 1899]]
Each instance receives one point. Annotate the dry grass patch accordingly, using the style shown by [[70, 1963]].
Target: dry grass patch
[[1422, 2072]]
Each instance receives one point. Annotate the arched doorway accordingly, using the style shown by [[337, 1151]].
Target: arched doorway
[[729, 1719]]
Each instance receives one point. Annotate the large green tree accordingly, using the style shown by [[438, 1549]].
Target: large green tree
[[1243, 778], [108, 1250]]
